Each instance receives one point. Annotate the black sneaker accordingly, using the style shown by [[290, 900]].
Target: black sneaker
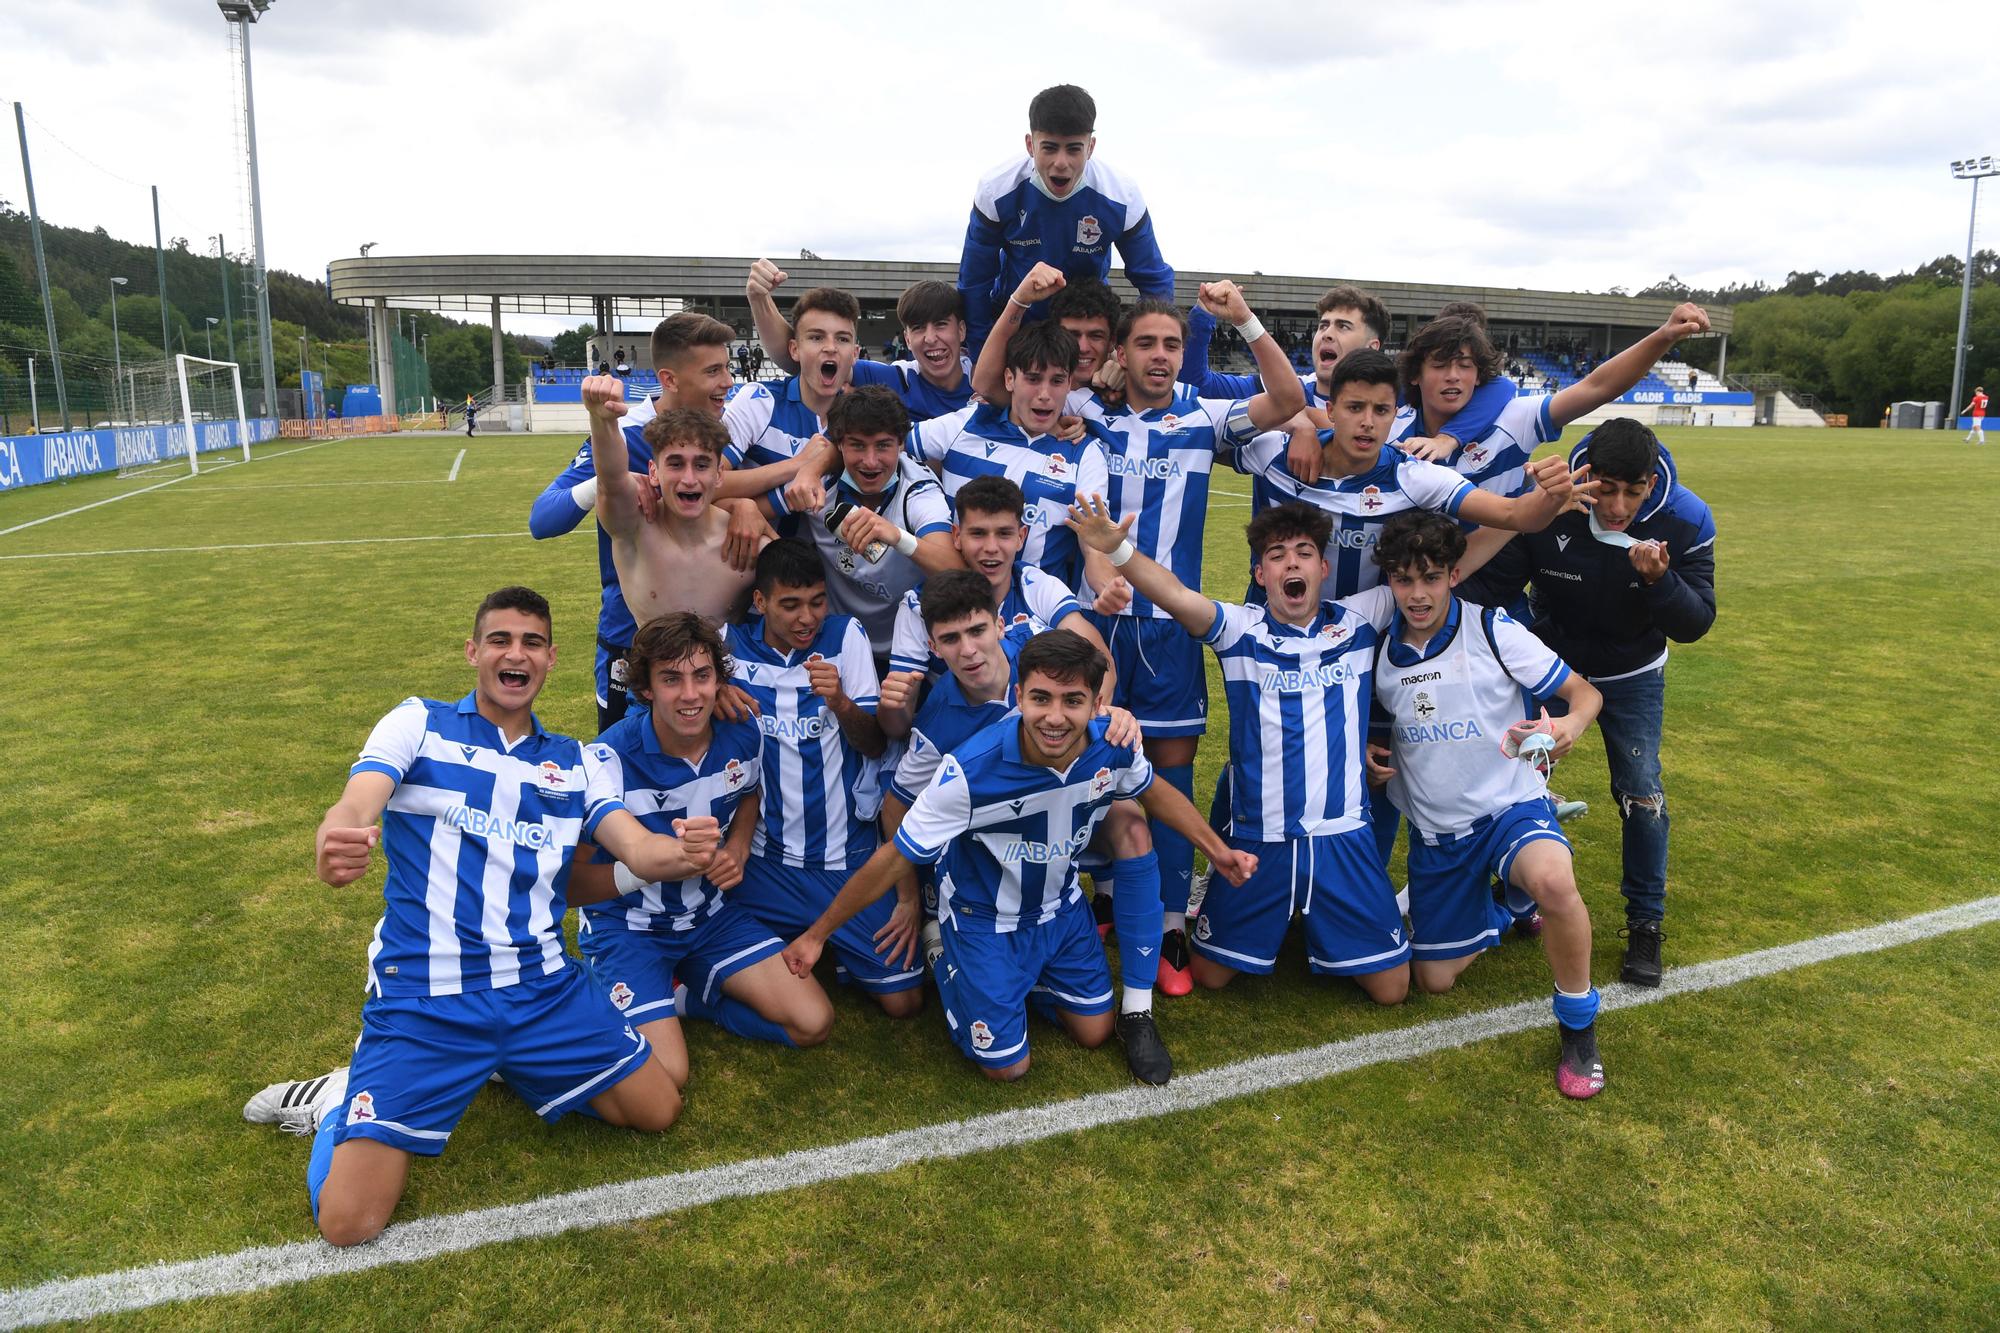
[[1642, 953], [1100, 911], [1579, 1073], [1145, 1054]]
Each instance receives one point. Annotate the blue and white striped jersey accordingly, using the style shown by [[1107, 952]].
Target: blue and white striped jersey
[[1451, 704], [768, 425], [1498, 460], [660, 788], [946, 722], [921, 399], [1360, 504], [1298, 715], [821, 795], [478, 836], [981, 441], [1159, 461], [1035, 601], [1009, 831]]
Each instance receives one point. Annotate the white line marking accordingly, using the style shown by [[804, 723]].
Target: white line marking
[[454, 465], [268, 1266], [171, 481], [268, 546], [1240, 495]]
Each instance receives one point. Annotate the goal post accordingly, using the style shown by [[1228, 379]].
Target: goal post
[[181, 363]]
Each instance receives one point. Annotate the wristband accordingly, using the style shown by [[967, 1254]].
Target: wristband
[[1123, 553], [906, 542], [1251, 329], [1023, 304]]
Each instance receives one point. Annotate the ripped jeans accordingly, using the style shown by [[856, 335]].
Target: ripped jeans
[[1633, 715]]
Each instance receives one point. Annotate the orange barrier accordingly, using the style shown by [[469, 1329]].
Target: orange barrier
[[333, 428]]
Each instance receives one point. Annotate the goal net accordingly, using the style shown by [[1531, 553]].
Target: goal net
[[180, 408]]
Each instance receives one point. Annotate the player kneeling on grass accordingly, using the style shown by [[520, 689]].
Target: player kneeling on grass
[[675, 760], [1451, 676], [1007, 815], [480, 811]]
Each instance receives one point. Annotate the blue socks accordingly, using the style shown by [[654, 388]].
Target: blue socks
[[1576, 1011], [732, 1015], [1176, 854], [1135, 914]]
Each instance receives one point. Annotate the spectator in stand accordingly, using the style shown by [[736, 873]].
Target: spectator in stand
[[1693, 380]]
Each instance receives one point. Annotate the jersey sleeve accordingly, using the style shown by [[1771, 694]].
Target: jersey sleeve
[[1134, 778], [395, 742], [1049, 599], [925, 507], [1231, 623], [1526, 658], [559, 508], [909, 646], [1482, 411], [917, 767], [868, 372], [941, 812], [1093, 472], [979, 262], [1230, 420], [1145, 267], [857, 667], [1195, 370], [746, 416], [603, 785], [1257, 456], [1433, 486], [929, 441], [1377, 606]]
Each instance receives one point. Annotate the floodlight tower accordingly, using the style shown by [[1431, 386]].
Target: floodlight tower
[[1971, 169], [240, 14]]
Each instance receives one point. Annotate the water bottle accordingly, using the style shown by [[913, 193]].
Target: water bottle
[[837, 511]]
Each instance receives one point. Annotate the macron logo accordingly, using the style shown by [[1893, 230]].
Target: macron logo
[[1562, 541]]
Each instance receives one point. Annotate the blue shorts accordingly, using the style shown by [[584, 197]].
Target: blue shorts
[[1450, 898], [787, 899], [1335, 882], [421, 1058], [1162, 676], [636, 968], [984, 980]]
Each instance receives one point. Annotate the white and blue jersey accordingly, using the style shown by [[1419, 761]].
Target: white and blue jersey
[[821, 794], [478, 835], [1450, 704], [1035, 601], [1009, 831], [982, 442], [1298, 715], [660, 788], [1159, 463], [1017, 224], [947, 721], [1497, 460], [921, 399], [1360, 504], [768, 423]]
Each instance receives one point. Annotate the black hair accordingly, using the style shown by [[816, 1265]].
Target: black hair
[[990, 494], [514, 598], [1086, 298], [673, 637], [1373, 313], [833, 300], [1289, 522], [1363, 365], [927, 302], [1444, 338], [872, 409], [1419, 539], [790, 563], [1064, 656], [1622, 449], [954, 594], [1046, 345], [1139, 309], [1064, 109]]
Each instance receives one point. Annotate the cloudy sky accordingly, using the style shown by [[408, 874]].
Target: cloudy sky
[[1552, 145]]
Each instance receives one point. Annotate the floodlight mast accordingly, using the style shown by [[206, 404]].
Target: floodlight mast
[[1973, 169], [241, 14]]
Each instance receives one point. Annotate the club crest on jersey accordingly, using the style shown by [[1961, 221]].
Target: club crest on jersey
[[552, 775], [620, 670], [733, 772], [1201, 928], [1022, 618], [847, 562], [1056, 465], [1100, 782], [1333, 633], [1088, 232], [982, 1036], [1426, 710], [361, 1108], [1476, 454], [621, 996], [1371, 498]]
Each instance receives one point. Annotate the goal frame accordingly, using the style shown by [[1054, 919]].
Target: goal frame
[[181, 363]]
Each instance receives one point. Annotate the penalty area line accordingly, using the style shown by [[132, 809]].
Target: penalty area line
[[270, 1266], [454, 466]]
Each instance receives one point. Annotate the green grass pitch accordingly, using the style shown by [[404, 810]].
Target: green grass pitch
[[1816, 1149]]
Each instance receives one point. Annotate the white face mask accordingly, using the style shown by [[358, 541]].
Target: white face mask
[[1609, 538]]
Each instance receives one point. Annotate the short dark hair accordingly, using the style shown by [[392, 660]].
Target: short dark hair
[[990, 494], [1471, 310], [872, 409], [927, 302], [677, 335], [514, 598], [1622, 449], [830, 299], [1373, 313], [686, 425], [789, 563], [1139, 309], [670, 638], [1062, 655], [1086, 298], [1444, 338], [1045, 345], [1289, 522], [1063, 109], [1364, 365], [954, 594], [1419, 539]]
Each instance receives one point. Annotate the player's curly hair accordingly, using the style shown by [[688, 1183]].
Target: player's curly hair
[[1150, 306], [872, 409], [673, 637], [1289, 522], [1086, 298], [1444, 338], [1373, 313], [1417, 540], [1063, 656], [685, 425]]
